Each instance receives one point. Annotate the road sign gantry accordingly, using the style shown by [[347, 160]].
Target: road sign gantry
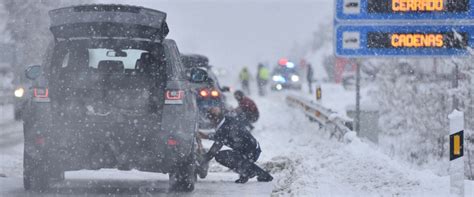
[[404, 10], [387, 28], [404, 40]]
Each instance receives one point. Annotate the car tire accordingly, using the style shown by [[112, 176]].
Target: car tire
[[34, 174], [183, 177], [38, 175]]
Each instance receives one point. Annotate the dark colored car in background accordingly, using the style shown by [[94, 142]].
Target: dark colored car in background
[[209, 93], [20, 95], [19, 101], [115, 97]]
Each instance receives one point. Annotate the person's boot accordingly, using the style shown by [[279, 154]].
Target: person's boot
[[264, 177], [245, 173], [242, 179]]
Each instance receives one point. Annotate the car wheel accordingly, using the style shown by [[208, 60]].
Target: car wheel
[[38, 175], [35, 176], [183, 177]]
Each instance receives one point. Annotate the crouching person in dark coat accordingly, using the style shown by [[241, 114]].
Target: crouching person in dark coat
[[245, 148]]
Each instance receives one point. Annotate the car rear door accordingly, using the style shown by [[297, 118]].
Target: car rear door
[[180, 112], [117, 21]]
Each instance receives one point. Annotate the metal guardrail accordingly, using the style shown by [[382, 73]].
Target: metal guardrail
[[335, 124], [339, 126]]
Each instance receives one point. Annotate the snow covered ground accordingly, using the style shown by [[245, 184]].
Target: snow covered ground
[[304, 161], [307, 163]]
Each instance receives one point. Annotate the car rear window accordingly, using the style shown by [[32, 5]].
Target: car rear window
[[129, 62]]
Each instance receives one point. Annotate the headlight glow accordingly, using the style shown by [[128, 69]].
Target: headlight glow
[[278, 78], [295, 78], [279, 87], [290, 65], [19, 92]]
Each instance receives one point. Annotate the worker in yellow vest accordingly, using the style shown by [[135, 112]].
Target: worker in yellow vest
[[262, 78], [244, 78]]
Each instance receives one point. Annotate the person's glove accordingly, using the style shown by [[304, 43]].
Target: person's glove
[[206, 158], [202, 135]]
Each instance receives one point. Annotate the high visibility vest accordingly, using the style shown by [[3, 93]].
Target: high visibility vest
[[264, 73], [244, 75]]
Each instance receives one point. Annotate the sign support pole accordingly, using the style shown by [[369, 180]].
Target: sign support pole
[[455, 85], [357, 115], [456, 163]]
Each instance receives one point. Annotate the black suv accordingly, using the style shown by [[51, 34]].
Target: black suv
[[209, 93], [111, 93]]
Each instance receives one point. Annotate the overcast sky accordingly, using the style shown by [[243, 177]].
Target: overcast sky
[[234, 33]]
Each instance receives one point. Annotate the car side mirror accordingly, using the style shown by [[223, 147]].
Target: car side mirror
[[33, 72], [198, 75], [225, 89]]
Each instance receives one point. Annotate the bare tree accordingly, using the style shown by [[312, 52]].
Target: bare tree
[[27, 25]]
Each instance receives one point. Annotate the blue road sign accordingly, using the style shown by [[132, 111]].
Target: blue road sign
[[404, 10], [404, 40]]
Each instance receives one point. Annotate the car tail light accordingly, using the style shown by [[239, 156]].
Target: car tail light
[[174, 97], [204, 93], [172, 142], [215, 93], [41, 92]]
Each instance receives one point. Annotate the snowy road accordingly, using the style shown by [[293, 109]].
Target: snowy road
[[299, 154], [107, 182], [117, 183]]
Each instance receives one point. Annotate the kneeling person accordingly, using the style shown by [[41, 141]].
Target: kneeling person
[[245, 148]]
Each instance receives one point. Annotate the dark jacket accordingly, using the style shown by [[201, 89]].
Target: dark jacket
[[310, 73], [249, 108], [236, 136]]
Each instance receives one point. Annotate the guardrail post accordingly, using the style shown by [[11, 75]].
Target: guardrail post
[[456, 153]]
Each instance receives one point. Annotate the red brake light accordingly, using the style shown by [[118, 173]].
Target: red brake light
[[174, 95], [172, 142], [40, 93], [282, 61], [204, 93], [215, 93]]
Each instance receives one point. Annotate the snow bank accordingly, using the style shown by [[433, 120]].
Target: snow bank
[[306, 162]]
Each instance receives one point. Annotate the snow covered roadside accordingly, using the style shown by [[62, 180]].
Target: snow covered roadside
[[11, 146], [306, 163]]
